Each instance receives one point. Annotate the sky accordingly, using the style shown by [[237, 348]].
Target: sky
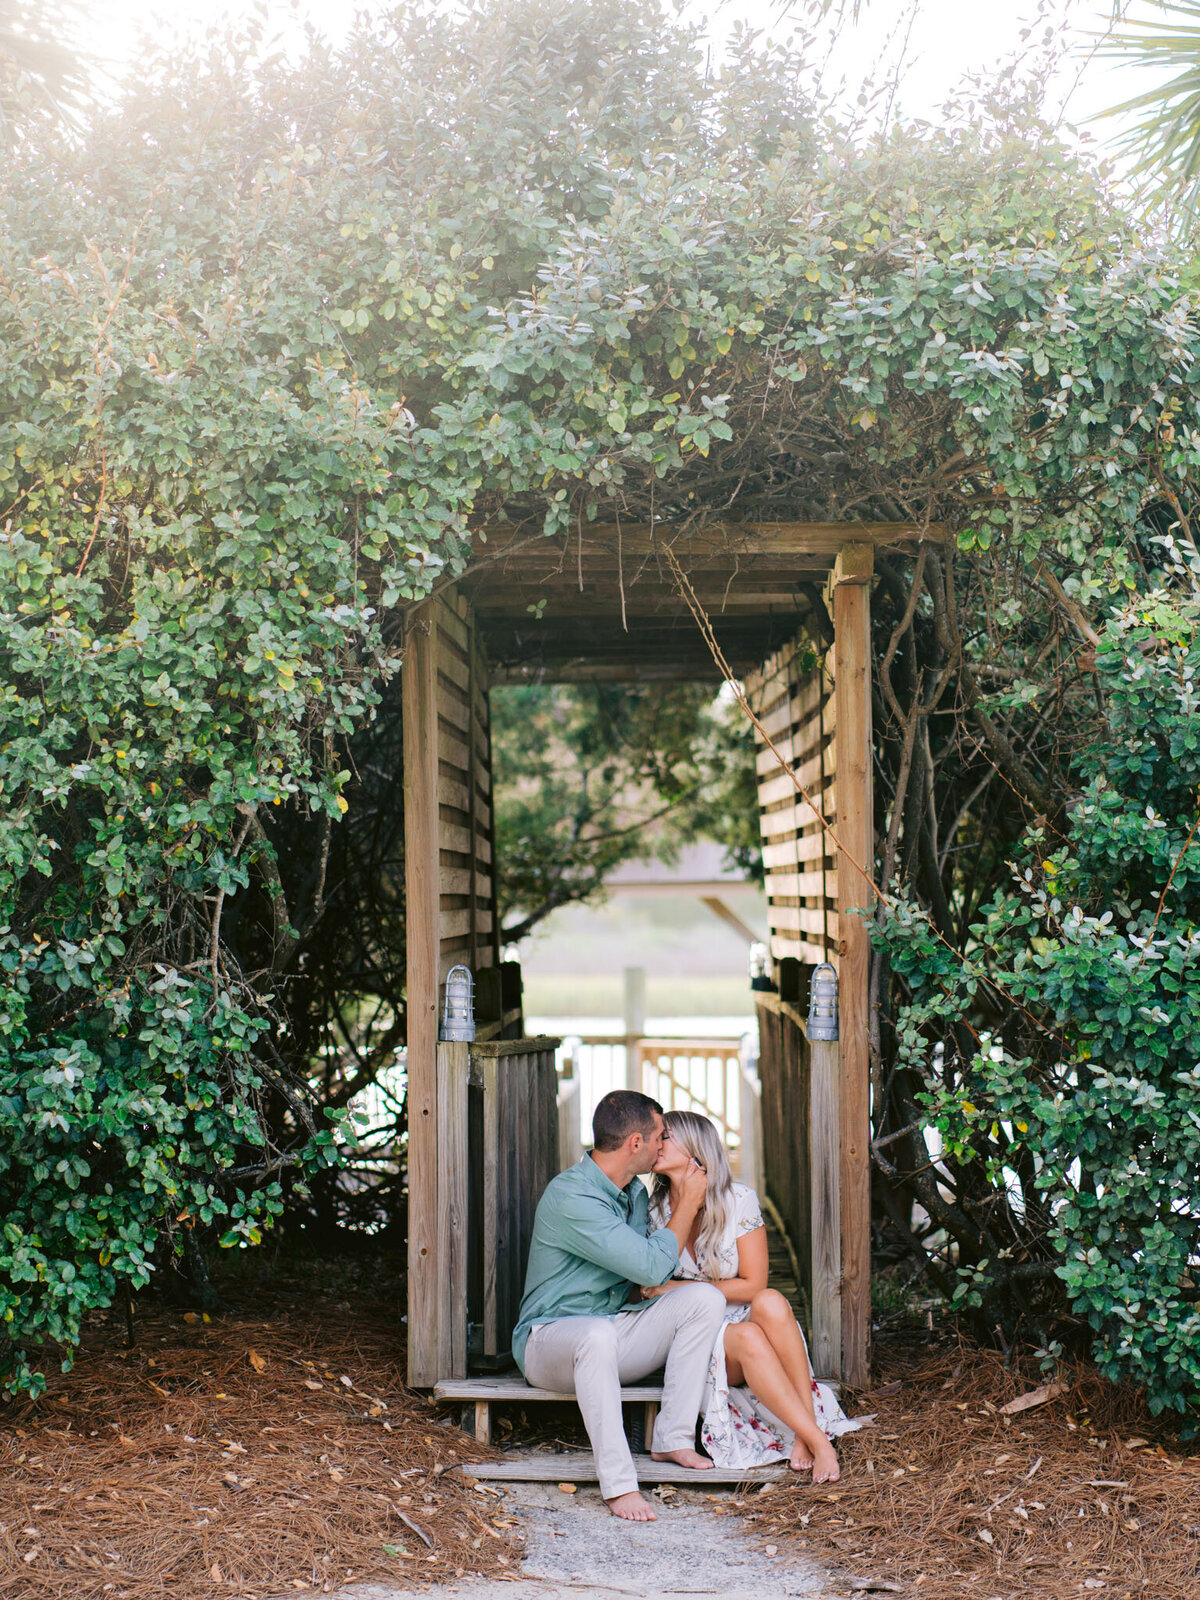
[[939, 41]]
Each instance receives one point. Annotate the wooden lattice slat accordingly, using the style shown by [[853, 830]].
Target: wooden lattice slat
[[793, 701]]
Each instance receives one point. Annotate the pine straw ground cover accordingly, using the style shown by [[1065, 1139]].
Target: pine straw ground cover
[[243, 1457], [948, 1499]]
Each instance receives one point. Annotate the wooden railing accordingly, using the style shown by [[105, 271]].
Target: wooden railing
[[498, 1149], [701, 1075]]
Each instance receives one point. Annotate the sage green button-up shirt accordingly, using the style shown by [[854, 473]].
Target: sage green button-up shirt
[[589, 1245]]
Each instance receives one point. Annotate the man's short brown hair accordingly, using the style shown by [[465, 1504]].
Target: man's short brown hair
[[621, 1113]]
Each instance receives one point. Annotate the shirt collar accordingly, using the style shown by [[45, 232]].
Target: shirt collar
[[601, 1180]]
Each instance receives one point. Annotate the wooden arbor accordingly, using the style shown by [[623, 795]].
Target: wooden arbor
[[608, 603]]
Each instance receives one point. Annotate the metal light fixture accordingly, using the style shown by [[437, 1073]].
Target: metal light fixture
[[823, 1003], [759, 976], [458, 1012]]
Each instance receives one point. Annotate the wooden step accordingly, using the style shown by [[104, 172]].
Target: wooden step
[[483, 1393], [514, 1388], [580, 1467]]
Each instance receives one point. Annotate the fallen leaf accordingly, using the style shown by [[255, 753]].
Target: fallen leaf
[[568, 1488], [311, 1383], [986, 1536], [1136, 1444], [259, 1363], [190, 1316], [771, 1549], [215, 1572], [344, 1379], [1036, 1397]]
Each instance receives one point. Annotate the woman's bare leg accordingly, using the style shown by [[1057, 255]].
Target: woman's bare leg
[[750, 1358], [770, 1310]]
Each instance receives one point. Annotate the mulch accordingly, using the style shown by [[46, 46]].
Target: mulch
[[244, 1457], [946, 1498]]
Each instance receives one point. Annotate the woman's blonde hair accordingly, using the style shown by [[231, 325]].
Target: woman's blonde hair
[[699, 1137]]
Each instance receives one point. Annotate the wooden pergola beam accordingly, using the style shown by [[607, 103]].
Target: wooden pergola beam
[[718, 537]]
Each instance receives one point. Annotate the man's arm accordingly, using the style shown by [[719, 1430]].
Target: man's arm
[[587, 1227]]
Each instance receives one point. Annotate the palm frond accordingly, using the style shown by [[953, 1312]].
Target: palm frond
[[1165, 136]]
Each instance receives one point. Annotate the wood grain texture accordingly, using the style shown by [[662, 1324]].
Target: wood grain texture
[[852, 627], [825, 1189], [419, 691], [453, 1067]]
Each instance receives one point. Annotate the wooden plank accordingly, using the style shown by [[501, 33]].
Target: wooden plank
[[422, 958], [799, 919], [462, 880], [790, 818], [791, 852], [453, 708], [453, 1068], [451, 748], [488, 1066], [453, 666], [732, 536], [453, 628], [458, 838], [804, 885], [852, 628], [454, 793], [512, 1387], [516, 1047], [826, 1265], [546, 1466], [782, 785]]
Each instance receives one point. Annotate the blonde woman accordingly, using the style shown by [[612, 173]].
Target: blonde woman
[[761, 1401]]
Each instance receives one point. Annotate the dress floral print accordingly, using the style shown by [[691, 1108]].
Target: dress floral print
[[737, 1430]]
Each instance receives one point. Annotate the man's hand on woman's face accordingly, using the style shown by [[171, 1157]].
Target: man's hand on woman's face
[[694, 1184]]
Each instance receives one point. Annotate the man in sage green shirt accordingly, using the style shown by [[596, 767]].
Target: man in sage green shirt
[[579, 1329]]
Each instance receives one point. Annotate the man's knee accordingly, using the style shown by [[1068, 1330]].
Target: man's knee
[[705, 1302], [595, 1343]]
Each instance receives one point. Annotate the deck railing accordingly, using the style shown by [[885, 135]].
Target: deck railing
[[704, 1075]]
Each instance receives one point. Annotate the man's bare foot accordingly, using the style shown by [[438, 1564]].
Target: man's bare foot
[[825, 1463], [684, 1458], [631, 1506]]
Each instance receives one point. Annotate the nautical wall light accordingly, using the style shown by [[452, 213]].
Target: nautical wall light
[[458, 1013], [823, 1003], [760, 978]]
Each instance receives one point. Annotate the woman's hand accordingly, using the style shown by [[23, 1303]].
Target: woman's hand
[[651, 1291]]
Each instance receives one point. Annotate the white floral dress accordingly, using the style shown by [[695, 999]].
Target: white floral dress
[[736, 1428]]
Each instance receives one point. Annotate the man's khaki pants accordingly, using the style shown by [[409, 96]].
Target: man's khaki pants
[[594, 1356]]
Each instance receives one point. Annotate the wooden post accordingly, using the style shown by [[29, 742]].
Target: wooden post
[[453, 1070], [825, 1180], [419, 690], [635, 1025], [851, 582]]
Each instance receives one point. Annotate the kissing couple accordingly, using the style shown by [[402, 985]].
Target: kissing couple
[[623, 1280]]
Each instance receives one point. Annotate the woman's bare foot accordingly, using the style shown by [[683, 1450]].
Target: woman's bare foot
[[825, 1463], [801, 1457], [631, 1506], [684, 1458]]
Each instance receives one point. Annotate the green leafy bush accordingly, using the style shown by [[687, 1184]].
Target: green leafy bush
[[281, 340], [1093, 1077]]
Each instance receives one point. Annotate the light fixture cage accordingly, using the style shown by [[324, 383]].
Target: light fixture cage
[[823, 1003], [458, 1008]]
